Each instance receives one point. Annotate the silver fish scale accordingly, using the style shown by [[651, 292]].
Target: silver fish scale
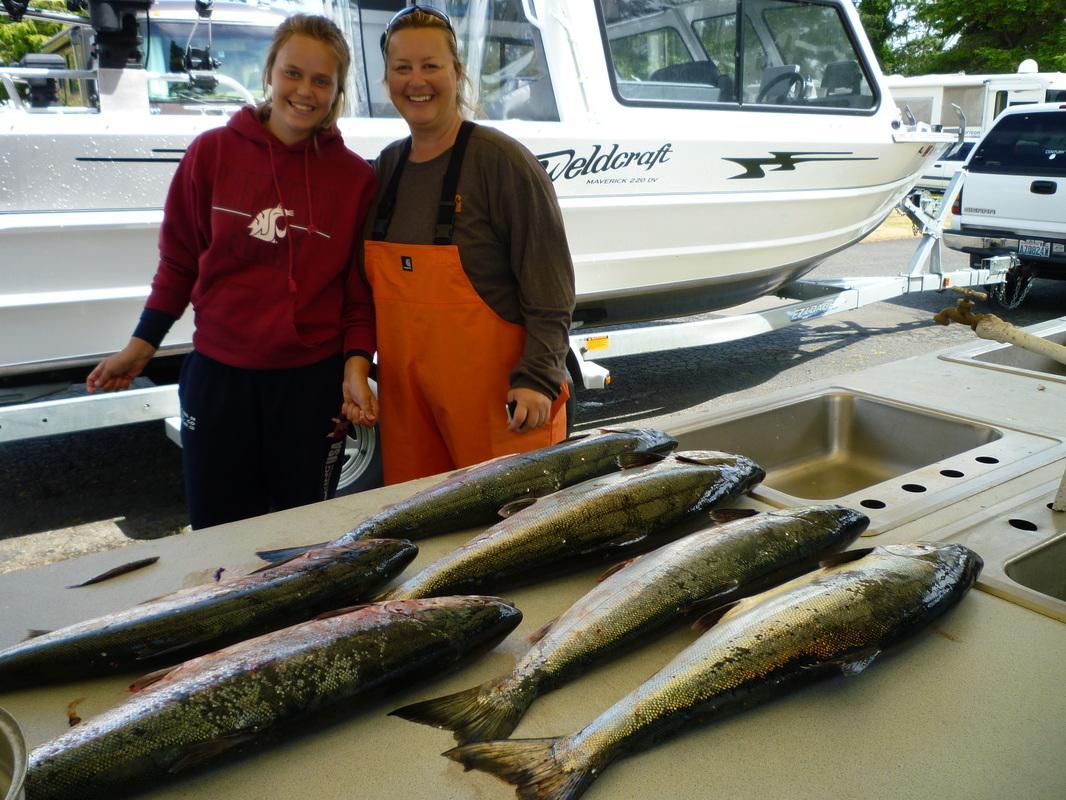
[[595, 515], [474, 495], [250, 686], [658, 586], [822, 619], [215, 613]]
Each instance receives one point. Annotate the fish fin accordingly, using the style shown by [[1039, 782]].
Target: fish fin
[[33, 633], [542, 631], [533, 765], [114, 572], [714, 602], [846, 557], [577, 436], [706, 458], [205, 751], [633, 460], [490, 710], [708, 620], [336, 612], [512, 508], [851, 664], [151, 678], [724, 515], [621, 565], [287, 553]]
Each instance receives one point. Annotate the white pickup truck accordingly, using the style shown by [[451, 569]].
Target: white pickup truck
[[1013, 199]]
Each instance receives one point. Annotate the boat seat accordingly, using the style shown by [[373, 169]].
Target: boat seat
[[842, 77], [687, 72]]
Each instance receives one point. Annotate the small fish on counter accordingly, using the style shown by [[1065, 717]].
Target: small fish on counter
[[472, 497], [704, 569], [203, 618], [609, 516], [234, 697], [830, 621]]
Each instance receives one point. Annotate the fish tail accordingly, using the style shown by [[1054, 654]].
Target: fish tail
[[287, 553], [488, 711], [540, 769]]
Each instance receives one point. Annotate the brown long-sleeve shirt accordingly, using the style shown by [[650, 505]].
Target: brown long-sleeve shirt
[[510, 237]]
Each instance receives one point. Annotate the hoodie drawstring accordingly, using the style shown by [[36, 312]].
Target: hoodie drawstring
[[311, 229], [281, 204]]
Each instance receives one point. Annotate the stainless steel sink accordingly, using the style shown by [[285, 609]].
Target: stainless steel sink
[[1023, 544], [1042, 568], [893, 460], [1010, 358]]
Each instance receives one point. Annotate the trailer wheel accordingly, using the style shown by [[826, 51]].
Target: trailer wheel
[[1015, 287], [361, 465]]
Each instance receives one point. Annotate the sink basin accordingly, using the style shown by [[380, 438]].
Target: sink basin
[[1042, 569], [1023, 544], [1010, 358], [892, 460]]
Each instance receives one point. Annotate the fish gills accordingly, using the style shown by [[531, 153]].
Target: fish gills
[[203, 618], [832, 620], [723, 562], [233, 696], [611, 514]]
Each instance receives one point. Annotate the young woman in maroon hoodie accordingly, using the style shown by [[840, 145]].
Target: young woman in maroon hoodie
[[261, 233]]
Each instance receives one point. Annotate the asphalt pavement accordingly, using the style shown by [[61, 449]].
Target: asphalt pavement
[[65, 496]]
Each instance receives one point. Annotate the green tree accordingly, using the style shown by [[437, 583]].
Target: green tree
[[27, 36], [982, 35], [882, 20]]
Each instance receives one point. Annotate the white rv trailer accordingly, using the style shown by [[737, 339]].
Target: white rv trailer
[[933, 99], [695, 171]]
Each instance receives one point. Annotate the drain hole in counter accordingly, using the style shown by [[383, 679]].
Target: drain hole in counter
[[913, 487], [871, 504], [987, 460], [952, 473], [1022, 524]]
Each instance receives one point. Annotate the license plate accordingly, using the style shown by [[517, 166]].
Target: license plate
[[1034, 247]]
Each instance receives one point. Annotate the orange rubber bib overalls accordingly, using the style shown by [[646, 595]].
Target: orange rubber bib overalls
[[444, 356]]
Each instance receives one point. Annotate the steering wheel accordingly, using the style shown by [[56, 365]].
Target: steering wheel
[[797, 87]]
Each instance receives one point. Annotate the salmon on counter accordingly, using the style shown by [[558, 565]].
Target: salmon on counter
[[236, 696], [473, 496], [609, 516], [830, 621], [203, 618], [705, 569]]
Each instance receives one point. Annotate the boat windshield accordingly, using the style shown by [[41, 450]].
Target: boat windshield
[[760, 52], [240, 49]]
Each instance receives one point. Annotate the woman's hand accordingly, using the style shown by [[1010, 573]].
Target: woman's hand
[[360, 404], [118, 371], [532, 410]]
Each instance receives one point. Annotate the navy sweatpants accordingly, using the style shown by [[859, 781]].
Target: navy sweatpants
[[255, 441]]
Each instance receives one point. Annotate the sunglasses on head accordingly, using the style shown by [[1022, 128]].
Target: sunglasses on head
[[408, 11]]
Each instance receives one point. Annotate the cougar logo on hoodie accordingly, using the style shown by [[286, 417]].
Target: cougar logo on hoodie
[[265, 225]]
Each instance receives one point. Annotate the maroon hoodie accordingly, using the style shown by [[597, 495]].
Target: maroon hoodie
[[263, 239]]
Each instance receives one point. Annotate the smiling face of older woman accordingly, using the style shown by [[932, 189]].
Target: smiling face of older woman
[[423, 80]]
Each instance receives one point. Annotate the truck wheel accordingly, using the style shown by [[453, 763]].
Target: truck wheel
[[1015, 287], [361, 465]]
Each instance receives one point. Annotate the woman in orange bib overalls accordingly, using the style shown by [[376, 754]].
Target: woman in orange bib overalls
[[471, 274]]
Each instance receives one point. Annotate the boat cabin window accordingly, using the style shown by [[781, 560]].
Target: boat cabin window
[[240, 51], [500, 48], [692, 52]]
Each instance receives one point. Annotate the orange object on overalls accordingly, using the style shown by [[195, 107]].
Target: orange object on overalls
[[444, 356]]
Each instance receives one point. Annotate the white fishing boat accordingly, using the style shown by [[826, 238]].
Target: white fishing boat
[[695, 170]]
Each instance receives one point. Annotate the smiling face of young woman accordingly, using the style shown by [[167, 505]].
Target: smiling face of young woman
[[423, 80], [303, 85]]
